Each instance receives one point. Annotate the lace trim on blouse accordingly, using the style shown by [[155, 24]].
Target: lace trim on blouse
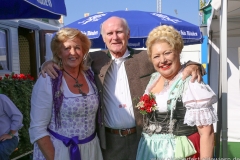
[[200, 116]]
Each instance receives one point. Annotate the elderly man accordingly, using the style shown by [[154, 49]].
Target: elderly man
[[121, 75], [10, 122]]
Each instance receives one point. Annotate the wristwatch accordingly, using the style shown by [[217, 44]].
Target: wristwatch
[[11, 134]]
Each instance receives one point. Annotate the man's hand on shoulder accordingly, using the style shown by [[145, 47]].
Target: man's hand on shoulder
[[195, 70], [192, 70], [48, 67]]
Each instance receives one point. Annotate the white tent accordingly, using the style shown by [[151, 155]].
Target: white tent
[[224, 72]]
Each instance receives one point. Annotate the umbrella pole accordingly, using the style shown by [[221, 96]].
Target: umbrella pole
[[223, 62], [219, 104]]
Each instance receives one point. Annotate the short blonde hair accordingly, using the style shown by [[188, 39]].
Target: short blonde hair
[[62, 36], [166, 34]]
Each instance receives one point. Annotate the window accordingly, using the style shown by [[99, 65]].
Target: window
[[45, 20], [3, 50]]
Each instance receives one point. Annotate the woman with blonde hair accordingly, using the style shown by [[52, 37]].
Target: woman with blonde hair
[[63, 110], [178, 124]]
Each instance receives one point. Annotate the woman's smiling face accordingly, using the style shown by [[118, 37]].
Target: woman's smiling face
[[165, 60], [71, 53]]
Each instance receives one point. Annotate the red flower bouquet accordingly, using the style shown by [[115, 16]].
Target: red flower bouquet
[[147, 104]]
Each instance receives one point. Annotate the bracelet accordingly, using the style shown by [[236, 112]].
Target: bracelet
[[11, 134]]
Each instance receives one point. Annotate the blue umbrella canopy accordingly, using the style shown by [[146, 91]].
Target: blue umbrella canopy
[[20, 9], [140, 24]]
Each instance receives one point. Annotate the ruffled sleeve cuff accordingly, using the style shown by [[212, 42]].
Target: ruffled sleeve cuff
[[200, 116], [198, 100]]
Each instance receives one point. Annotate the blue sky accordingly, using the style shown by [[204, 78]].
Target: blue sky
[[186, 9]]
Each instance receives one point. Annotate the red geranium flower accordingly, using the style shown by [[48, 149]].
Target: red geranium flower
[[14, 76], [7, 75], [147, 104]]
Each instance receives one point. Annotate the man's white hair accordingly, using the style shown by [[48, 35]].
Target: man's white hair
[[124, 23]]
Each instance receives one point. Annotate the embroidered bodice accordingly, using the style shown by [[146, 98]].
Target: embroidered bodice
[[78, 116]]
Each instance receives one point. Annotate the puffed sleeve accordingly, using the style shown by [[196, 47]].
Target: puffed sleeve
[[41, 108], [198, 99]]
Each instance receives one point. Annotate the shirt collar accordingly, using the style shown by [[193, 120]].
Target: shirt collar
[[128, 54]]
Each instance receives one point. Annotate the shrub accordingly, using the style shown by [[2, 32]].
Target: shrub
[[18, 87]]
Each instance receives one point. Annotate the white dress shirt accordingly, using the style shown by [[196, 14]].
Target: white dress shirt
[[116, 96]]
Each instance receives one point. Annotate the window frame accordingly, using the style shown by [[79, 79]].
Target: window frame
[[9, 50]]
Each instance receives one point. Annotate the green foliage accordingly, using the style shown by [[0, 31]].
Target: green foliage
[[18, 87]]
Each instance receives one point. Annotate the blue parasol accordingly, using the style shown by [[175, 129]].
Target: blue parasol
[[140, 24], [20, 9]]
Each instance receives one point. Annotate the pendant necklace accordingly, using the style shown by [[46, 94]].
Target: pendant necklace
[[77, 84], [166, 83]]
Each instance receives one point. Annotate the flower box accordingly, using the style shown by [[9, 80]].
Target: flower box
[[18, 87]]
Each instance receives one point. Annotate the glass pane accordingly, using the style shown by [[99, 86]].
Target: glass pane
[[3, 50]]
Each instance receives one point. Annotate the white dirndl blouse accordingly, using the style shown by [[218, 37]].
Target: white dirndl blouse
[[78, 115]]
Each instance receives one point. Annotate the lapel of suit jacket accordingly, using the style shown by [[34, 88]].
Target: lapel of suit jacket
[[133, 75], [139, 70], [135, 85], [105, 67]]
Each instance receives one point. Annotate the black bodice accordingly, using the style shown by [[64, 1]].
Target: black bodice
[[163, 119]]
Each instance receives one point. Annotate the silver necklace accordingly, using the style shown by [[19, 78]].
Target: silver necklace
[[166, 83], [77, 84]]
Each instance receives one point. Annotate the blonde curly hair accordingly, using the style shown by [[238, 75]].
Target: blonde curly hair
[[62, 36], [166, 34]]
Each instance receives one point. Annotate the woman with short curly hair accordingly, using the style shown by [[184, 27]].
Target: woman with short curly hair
[[181, 125]]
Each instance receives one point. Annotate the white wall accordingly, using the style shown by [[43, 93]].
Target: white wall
[[233, 83], [191, 52]]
